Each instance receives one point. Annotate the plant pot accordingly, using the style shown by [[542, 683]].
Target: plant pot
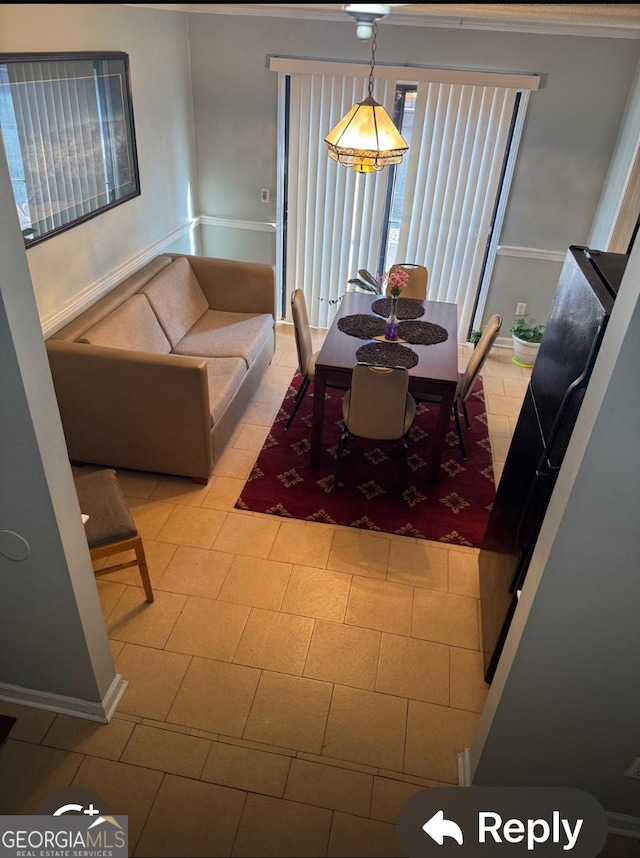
[[524, 353]]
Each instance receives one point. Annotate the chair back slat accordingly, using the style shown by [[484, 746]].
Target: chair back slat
[[479, 356], [377, 402], [302, 331]]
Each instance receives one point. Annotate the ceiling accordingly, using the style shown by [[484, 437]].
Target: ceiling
[[606, 20]]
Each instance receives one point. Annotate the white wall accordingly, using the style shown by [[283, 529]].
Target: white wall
[[563, 707], [570, 131], [157, 44]]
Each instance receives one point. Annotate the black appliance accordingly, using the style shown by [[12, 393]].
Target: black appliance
[[581, 306]]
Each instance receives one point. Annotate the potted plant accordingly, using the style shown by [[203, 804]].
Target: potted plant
[[474, 337], [526, 341]]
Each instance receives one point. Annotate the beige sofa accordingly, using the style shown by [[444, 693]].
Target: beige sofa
[[156, 375]]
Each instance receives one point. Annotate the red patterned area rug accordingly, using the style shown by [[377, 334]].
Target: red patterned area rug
[[455, 510]]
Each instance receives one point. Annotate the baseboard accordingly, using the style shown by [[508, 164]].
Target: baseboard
[[464, 768], [627, 826], [101, 711], [92, 293]]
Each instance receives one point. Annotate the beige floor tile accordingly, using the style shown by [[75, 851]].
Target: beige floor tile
[[301, 543], [148, 624], [154, 677], [515, 387], [166, 751], [116, 648], [235, 463], [468, 688], [215, 696], [464, 578], [223, 493], [435, 735], [194, 526], [499, 426], [165, 725], [274, 641], [260, 413], [341, 764], [250, 437], [136, 483], [389, 796], [380, 742], [208, 629], [290, 712], [31, 724], [500, 448], [380, 605], [359, 554], [445, 618], [354, 837], [419, 564], [493, 384], [179, 490], [414, 668], [196, 572], [508, 406], [257, 746], [158, 555], [109, 592], [498, 467], [246, 769], [247, 535], [346, 655], [330, 787], [501, 369], [127, 790], [150, 516], [28, 773], [191, 818], [282, 829], [88, 737], [256, 582], [317, 593]]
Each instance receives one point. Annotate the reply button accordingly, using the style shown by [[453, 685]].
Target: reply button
[[510, 821]]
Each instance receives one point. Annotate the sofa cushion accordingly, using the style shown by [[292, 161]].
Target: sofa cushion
[[176, 298], [224, 376], [132, 325], [221, 334]]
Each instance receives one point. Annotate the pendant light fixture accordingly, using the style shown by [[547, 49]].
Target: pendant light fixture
[[366, 138]]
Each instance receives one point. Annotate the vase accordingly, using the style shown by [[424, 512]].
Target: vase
[[524, 353], [391, 325]]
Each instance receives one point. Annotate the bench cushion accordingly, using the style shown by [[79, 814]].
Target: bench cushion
[[133, 325], [221, 334], [224, 376], [176, 298]]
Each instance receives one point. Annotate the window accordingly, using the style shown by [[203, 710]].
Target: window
[[67, 128]]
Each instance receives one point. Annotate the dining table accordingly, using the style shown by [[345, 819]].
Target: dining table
[[434, 376]]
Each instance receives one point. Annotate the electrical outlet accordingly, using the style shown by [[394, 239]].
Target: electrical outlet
[[634, 770], [265, 195], [521, 310]]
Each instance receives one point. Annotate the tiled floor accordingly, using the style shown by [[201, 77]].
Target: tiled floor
[[292, 684]]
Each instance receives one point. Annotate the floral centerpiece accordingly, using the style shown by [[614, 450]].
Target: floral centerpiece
[[395, 281]]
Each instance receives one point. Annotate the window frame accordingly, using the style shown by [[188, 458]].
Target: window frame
[[101, 117]]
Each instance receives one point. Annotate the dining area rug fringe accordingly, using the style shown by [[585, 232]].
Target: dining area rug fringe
[[454, 510]]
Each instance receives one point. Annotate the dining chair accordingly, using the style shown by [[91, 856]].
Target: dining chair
[[377, 406], [109, 528], [468, 378], [306, 355], [418, 279]]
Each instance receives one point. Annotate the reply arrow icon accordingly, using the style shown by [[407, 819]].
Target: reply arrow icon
[[438, 828]]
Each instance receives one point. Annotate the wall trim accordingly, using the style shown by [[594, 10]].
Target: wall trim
[[628, 826], [432, 19], [237, 223], [90, 294], [532, 253], [464, 768], [91, 710]]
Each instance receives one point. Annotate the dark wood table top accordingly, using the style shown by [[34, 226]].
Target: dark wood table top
[[438, 363]]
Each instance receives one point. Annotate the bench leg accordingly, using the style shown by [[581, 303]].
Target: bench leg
[[144, 569]]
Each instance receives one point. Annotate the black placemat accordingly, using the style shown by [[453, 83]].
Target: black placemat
[[422, 333], [387, 354], [407, 308], [362, 325]]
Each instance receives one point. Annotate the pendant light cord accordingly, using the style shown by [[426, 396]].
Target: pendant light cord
[[374, 45]]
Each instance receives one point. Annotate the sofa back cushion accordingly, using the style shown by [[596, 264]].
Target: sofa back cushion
[[176, 298], [133, 325]]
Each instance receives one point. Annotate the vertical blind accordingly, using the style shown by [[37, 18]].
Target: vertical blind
[[455, 159]]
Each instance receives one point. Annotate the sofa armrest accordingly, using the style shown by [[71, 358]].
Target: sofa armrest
[[132, 409], [237, 287]]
